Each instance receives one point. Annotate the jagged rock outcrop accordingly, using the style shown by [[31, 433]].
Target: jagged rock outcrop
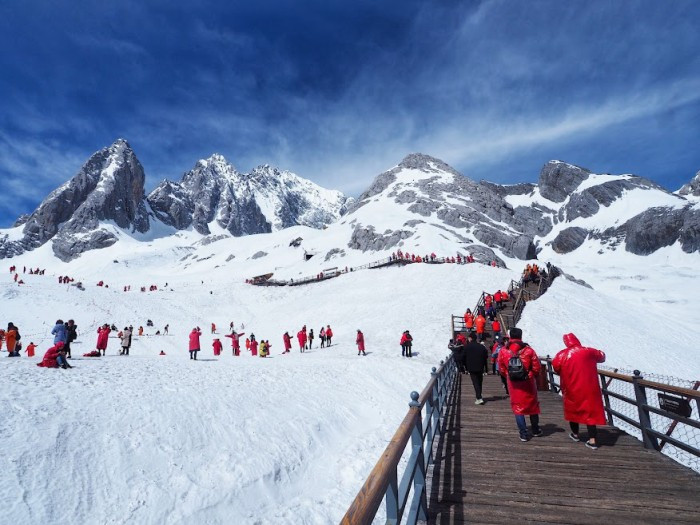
[[569, 239], [558, 179], [693, 187], [108, 188], [261, 201]]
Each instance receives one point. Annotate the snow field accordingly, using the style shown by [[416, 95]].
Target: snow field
[[161, 439]]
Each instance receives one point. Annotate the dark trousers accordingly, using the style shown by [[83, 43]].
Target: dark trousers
[[478, 382], [193, 353], [592, 429], [522, 425]]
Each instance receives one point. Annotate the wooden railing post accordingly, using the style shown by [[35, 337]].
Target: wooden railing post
[[640, 396], [606, 399], [419, 506]]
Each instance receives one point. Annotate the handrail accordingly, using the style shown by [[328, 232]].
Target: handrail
[[652, 438], [382, 482]]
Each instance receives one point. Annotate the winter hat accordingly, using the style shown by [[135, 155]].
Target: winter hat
[[516, 333]]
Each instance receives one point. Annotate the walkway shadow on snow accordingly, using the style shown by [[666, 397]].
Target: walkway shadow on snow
[[205, 360]]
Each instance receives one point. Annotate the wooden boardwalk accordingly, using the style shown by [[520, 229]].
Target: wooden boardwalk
[[484, 474]]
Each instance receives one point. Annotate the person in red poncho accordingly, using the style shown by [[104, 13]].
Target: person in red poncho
[[55, 357], [329, 335], [577, 367], [523, 393], [217, 346], [301, 337], [360, 340], [194, 342], [287, 343], [480, 323], [236, 342], [103, 338]]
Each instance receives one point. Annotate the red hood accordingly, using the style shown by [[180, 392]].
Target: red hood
[[571, 340]]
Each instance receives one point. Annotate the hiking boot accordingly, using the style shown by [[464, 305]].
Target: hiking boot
[[592, 446], [574, 437]]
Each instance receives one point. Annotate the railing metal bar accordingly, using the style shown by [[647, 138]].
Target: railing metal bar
[[671, 415], [674, 442]]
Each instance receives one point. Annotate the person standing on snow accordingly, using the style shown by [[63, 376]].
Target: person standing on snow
[[577, 367], [301, 337], [59, 332], [71, 335], [322, 335], [213, 328], [253, 346], [217, 346], [329, 335], [311, 338], [360, 341], [519, 363], [475, 359], [194, 342], [103, 338], [288, 343], [126, 341], [236, 342]]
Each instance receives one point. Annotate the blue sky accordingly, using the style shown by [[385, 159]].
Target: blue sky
[[339, 91]]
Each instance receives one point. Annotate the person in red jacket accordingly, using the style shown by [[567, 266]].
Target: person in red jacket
[[236, 342], [194, 342], [217, 346], [287, 343], [103, 338], [30, 350], [523, 393], [55, 357], [496, 328], [301, 337], [468, 319], [329, 335], [360, 340], [480, 323], [577, 367], [253, 346]]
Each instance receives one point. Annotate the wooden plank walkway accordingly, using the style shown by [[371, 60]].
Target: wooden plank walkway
[[483, 473]]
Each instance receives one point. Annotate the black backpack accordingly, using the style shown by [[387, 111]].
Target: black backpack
[[516, 368]]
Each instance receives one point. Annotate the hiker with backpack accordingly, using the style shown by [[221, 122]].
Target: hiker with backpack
[[496, 350], [475, 359], [577, 367], [519, 363]]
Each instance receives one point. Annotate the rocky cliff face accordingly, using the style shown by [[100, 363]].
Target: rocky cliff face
[[426, 191], [264, 200], [109, 187], [693, 187]]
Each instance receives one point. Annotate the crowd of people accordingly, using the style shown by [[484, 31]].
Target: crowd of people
[[518, 365]]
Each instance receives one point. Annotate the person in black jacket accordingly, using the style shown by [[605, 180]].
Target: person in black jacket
[[71, 335], [457, 349], [475, 359]]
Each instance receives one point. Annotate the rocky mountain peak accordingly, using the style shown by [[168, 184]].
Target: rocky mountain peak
[[693, 187], [426, 163], [558, 179]]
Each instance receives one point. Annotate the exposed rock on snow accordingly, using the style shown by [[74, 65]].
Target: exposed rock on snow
[[569, 239], [365, 239], [558, 179], [258, 255], [693, 187]]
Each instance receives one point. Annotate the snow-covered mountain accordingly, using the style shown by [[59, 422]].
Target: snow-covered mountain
[[261, 201], [106, 199], [422, 205], [109, 188]]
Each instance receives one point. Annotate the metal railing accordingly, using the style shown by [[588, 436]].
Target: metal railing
[[663, 422], [422, 430]]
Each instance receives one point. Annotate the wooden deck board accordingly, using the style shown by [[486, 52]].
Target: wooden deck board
[[483, 473]]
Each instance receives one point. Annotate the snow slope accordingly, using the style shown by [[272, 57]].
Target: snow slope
[[161, 439]]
